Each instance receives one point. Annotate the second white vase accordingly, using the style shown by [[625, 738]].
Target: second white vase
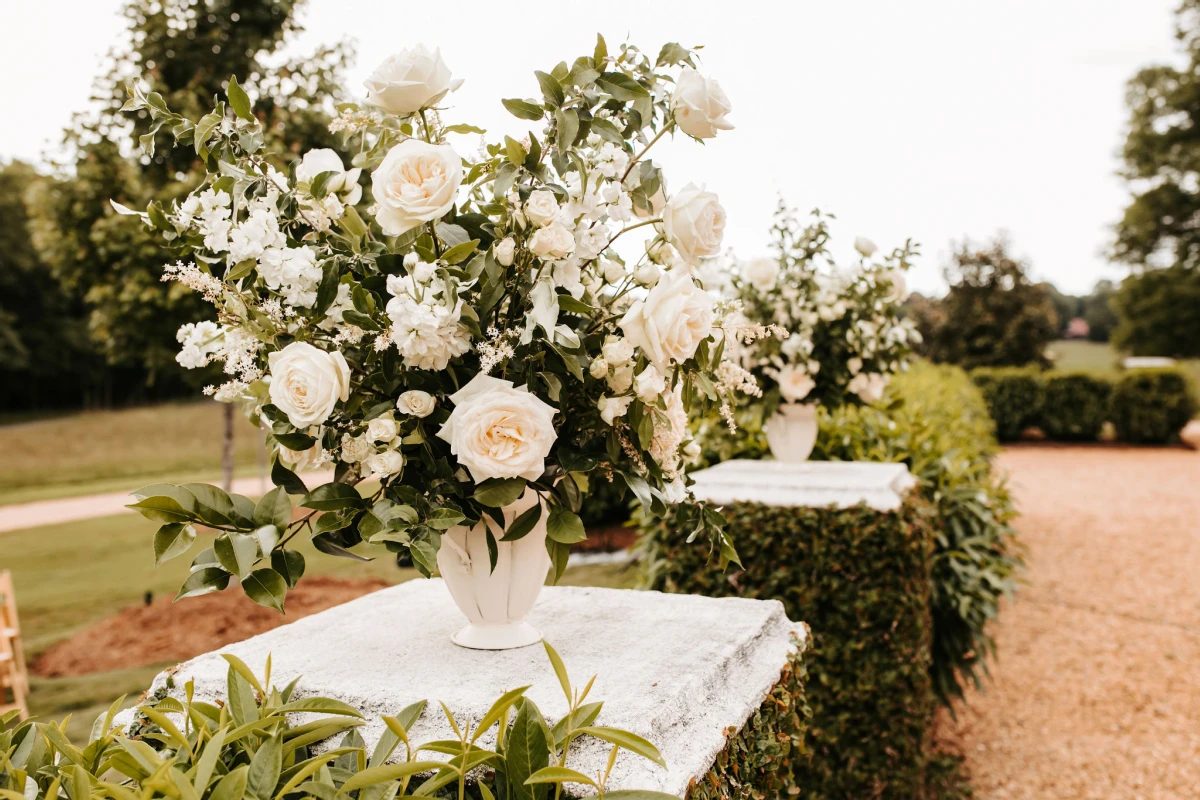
[[496, 601], [792, 432]]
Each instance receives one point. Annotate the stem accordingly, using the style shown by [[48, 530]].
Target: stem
[[668, 127]]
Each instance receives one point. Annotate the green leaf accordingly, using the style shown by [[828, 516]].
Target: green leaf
[[523, 524], [239, 101], [630, 741], [565, 526], [295, 441], [392, 772], [573, 306], [560, 670], [163, 502], [232, 786], [523, 109], [286, 479], [460, 252], [499, 492], [265, 767], [208, 760], [600, 54], [289, 564], [639, 794], [552, 90], [203, 581], [274, 508], [320, 705], [527, 750], [333, 497], [567, 121], [672, 54], [171, 540], [559, 775], [560, 556], [493, 715], [236, 552], [515, 151], [462, 128], [266, 587], [621, 86], [443, 518], [213, 505]]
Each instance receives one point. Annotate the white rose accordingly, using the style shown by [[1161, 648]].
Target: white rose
[[854, 365], [669, 324], [617, 351], [541, 208], [763, 273], [410, 80], [344, 182], [647, 274], [694, 223], [389, 462], [302, 459], [306, 382], [598, 368], [649, 384], [504, 251], [416, 403], [382, 429], [899, 291], [613, 407], [795, 384], [621, 378], [552, 242], [865, 247], [614, 271], [699, 105], [499, 431], [868, 386], [417, 182], [355, 448]]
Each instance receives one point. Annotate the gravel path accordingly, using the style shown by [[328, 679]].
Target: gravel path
[[1097, 691]]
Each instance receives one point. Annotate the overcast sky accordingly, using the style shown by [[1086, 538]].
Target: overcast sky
[[930, 119]]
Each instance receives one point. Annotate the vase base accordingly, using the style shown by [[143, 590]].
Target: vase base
[[509, 636]]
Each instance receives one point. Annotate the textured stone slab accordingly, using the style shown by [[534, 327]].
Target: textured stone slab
[[811, 483], [676, 669]]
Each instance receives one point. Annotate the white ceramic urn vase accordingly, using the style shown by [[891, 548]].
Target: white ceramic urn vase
[[496, 601], [792, 432]]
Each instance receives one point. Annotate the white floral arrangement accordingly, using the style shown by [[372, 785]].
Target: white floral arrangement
[[464, 333], [840, 332]]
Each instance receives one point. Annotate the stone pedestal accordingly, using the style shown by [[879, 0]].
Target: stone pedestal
[[683, 671], [812, 483]]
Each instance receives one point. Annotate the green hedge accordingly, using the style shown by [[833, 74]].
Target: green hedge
[[861, 580], [1151, 406], [1013, 396], [1145, 406]]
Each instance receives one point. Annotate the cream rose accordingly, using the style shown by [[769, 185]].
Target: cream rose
[[382, 429], [795, 384], [694, 223], [699, 105], [417, 182], [669, 324], [499, 431], [865, 247], [552, 242], [762, 273], [868, 386], [505, 250], [389, 462], [649, 384], [343, 183], [410, 80], [541, 208], [306, 382], [355, 448], [300, 460], [899, 286], [416, 403], [613, 407]]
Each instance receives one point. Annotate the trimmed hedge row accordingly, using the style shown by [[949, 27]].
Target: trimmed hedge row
[[1147, 406], [861, 580]]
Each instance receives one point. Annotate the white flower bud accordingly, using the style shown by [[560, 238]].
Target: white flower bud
[[504, 251], [647, 274], [614, 272], [598, 368]]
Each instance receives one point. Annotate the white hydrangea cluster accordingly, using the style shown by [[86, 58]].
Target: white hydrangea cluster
[[199, 341], [425, 317]]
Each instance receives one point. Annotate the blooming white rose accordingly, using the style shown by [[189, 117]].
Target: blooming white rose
[[621, 378], [794, 384], [865, 247], [410, 80], [868, 386], [617, 351], [355, 448], [382, 429], [613, 407], [299, 460], [417, 403], [417, 182], [699, 105], [505, 250], [552, 242], [344, 182], [649, 384], [499, 431], [669, 324], [306, 382], [389, 462], [541, 208], [762, 273], [694, 223]]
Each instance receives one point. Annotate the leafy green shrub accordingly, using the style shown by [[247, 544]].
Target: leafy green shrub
[[861, 580], [1152, 405], [1013, 396], [1074, 407]]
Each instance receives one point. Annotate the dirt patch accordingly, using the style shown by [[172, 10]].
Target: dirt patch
[[164, 632]]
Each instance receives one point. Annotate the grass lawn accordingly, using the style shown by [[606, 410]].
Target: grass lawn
[[1100, 358], [69, 576], [108, 451]]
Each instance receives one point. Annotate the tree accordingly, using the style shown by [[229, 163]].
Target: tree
[[186, 50], [1158, 313], [1066, 307], [1098, 311], [993, 315]]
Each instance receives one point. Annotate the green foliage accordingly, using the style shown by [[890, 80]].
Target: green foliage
[[1074, 406], [245, 747], [993, 316], [1151, 406], [1158, 313], [861, 580], [1098, 312], [1014, 398]]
